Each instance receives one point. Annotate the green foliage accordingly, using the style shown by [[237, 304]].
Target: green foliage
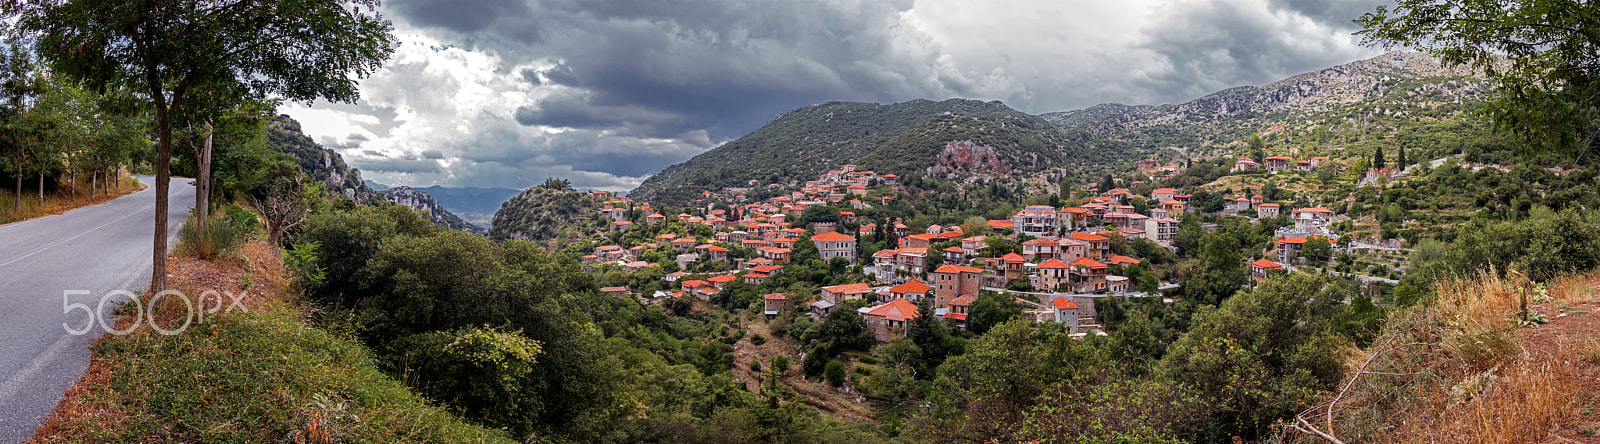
[[834, 372], [1544, 92], [1543, 247], [215, 239], [991, 309], [1260, 356], [208, 384], [840, 331], [302, 262], [543, 213]]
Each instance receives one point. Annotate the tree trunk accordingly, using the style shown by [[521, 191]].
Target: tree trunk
[[74, 176], [94, 183], [17, 204], [202, 192], [41, 189]]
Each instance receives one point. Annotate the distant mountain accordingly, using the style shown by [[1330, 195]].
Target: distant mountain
[[800, 144], [546, 214], [328, 167], [1335, 106], [475, 205], [375, 186], [426, 203]]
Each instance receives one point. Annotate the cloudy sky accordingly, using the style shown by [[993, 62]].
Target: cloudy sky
[[504, 93]]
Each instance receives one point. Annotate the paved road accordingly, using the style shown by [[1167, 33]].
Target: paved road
[[98, 248]]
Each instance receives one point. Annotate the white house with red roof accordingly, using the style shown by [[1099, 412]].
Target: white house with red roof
[[888, 320]]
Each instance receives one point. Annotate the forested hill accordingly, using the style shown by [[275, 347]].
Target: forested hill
[[954, 143], [328, 167], [805, 142], [1342, 105]]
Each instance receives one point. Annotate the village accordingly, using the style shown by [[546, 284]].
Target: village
[[1054, 263]]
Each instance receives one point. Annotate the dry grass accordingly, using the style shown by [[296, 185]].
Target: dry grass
[[60, 201], [1461, 371]]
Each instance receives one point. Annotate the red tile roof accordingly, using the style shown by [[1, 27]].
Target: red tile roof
[[1064, 303], [1116, 259], [912, 286], [1263, 263], [832, 236], [1086, 237], [1013, 258], [957, 269], [1053, 264], [895, 310], [1086, 262], [849, 289], [775, 296], [722, 279]]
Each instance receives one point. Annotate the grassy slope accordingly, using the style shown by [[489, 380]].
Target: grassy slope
[[262, 376]]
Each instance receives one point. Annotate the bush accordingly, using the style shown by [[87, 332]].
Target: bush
[[757, 339], [834, 372], [780, 364], [218, 238]]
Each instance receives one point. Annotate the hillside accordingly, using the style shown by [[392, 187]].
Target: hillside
[[328, 167], [426, 203], [1348, 104], [322, 164], [542, 213], [802, 143], [954, 143]]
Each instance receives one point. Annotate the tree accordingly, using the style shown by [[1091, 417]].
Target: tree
[[1317, 248], [990, 310], [1541, 54], [299, 50], [929, 333], [1257, 147], [20, 86], [1377, 159], [834, 371]]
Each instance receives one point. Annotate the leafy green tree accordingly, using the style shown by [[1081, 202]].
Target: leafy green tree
[[1377, 159], [930, 333], [835, 373], [1545, 94], [1317, 249], [1261, 356], [991, 309], [297, 50], [1257, 147], [840, 331]]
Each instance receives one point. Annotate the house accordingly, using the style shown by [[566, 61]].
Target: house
[[1267, 210], [1053, 274], [911, 260], [914, 290], [712, 253], [779, 255], [1087, 275], [831, 245], [684, 244], [1069, 249], [1066, 312], [1236, 205], [1260, 269], [1123, 260], [1035, 220], [918, 240], [774, 303], [960, 308], [1039, 249], [1161, 229], [839, 293], [973, 245], [857, 190], [1099, 246], [673, 276], [822, 227], [1311, 218], [1245, 164], [1073, 217], [654, 219], [954, 255], [883, 264], [888, 321], [869, 229], [767, 269], [1117, 284], [621, 226], [1013, 265], [721, 281], [1279, 163], [1163, 194], [952, 281], [754, 278]]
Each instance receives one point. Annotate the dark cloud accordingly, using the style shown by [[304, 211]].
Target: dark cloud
[[1206, 47], [432, 154], [1335, 13]]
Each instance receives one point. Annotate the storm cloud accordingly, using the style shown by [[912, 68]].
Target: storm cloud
[[507, 92]]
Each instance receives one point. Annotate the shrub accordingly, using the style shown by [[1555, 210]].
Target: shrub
[[780, 364], [219, 237], [757, 339], [834, 372]]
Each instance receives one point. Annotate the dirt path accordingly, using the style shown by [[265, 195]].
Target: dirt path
[[1572, 326]]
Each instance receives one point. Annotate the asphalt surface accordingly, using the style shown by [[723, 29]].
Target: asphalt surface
[[95, 249]]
